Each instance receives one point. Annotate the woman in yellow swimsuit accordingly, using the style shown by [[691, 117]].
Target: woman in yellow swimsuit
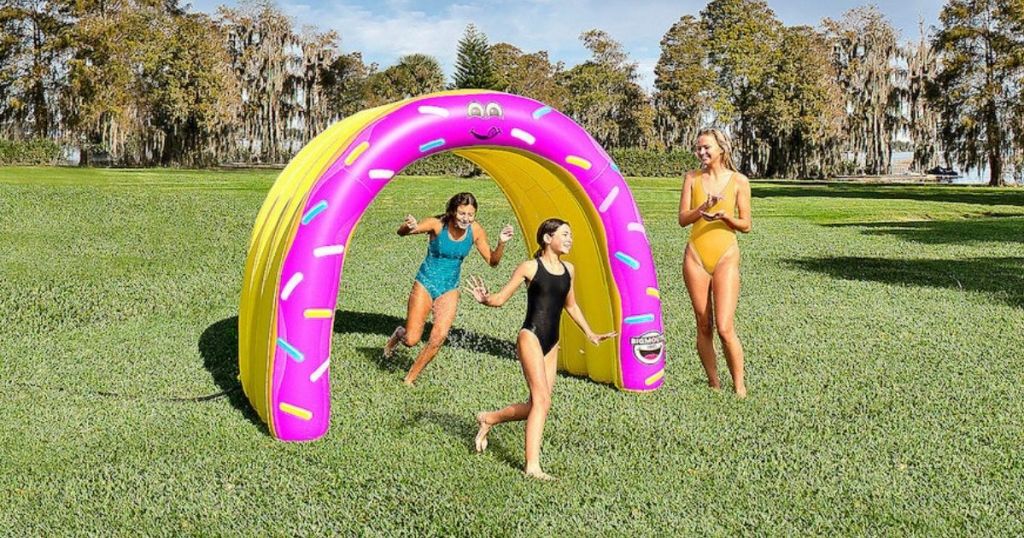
[[716, 200]]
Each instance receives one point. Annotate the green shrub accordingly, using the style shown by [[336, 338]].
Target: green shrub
[[637, 162], [39, 151]]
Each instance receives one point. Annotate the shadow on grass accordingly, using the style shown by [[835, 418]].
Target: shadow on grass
[[996, 228], [218, 346], [347, 321], [927, 193], [464, 427], [1001, 278]]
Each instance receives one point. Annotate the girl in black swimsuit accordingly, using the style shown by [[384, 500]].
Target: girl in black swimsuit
[[549, 290]]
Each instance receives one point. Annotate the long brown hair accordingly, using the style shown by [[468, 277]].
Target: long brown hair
[[547, 227], [461, 199], [723, 142]]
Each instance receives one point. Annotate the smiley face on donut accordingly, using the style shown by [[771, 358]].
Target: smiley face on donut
[[490, 111]]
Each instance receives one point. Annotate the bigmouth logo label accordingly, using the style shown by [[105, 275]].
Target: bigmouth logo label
[[648, 347]]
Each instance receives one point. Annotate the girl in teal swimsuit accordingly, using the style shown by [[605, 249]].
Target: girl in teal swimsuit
[[436, 286]]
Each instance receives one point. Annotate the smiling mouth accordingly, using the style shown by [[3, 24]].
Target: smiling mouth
[[650, 354], [491, 133]]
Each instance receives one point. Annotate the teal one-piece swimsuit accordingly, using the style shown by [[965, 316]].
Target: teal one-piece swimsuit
[[440, 271]]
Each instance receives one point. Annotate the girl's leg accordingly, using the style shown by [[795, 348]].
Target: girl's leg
[[415, 318], [444, 315], [726, 288], [698, 283], [534, 410]]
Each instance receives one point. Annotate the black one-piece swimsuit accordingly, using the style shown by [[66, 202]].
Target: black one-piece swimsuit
[[545, 298]]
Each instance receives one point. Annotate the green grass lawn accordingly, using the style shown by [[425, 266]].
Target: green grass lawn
[[883, 328]]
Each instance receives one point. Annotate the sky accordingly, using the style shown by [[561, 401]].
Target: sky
[[384, 30]]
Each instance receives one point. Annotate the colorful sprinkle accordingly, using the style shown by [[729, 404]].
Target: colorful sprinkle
[[433, 111], [615, 167], [380, 173], [541, 112], [636, 227], [290, 349], [328, 250], [295, 411], [609, 200], [643, 318], [290, 286], [578, 161], [653, 292], [351, 158], [655, 378], [320, 371], [432, 144], [523, 135], [628, 260], [313, 212], [317, 313]]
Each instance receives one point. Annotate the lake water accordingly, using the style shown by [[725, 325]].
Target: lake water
[[972, 176]]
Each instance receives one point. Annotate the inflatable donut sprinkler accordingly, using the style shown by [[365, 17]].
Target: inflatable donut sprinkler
[[545, 164]]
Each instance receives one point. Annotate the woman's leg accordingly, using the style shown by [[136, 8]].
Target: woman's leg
[[698, 283], [726, 289], [444, 315], [415, 318]]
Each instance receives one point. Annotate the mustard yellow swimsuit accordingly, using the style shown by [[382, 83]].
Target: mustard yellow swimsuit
[[711, 239]]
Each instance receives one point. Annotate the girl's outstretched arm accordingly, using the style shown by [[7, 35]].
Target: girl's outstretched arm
[[573, 309], [475, 285], [492, 257], [411, 226]]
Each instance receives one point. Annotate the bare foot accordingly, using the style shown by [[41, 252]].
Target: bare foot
[[481, 434], [741, 392], [389, 347], [409, 382], [539, 475]]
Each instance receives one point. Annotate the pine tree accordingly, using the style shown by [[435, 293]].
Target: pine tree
[[474, 67]]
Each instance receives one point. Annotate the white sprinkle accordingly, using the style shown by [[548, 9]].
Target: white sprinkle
[[523, 135], [329, 250], [609, 200], [636, 227], [319, 371], [433, 110], [290, 286], [380, 173]]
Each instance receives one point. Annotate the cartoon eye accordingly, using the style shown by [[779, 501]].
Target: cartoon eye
[[494, 110], [475, 110]]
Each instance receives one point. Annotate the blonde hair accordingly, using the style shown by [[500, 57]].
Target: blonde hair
[[723, 142]]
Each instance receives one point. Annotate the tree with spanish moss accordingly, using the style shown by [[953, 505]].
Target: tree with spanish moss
[[742, 40], [602, 95], [528, 74], [686, 87], [978, 87], [865, 52]]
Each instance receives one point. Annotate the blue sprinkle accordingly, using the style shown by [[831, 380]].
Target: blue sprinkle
[[626, 259], [289, 349], [615, 167], [541, 112], [431, 145], [313, 212], [643, 318]]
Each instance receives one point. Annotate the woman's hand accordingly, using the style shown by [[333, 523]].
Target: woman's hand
[[410, 222], [506, 233], [718, 215], [475, 286], [709, 203], [598, 338]]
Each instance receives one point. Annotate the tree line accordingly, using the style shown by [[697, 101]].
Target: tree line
[[145, 82]]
